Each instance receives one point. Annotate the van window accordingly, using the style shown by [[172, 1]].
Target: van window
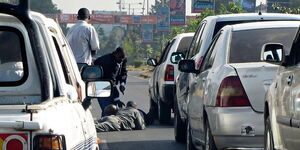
[[246, 45], [13, 70]]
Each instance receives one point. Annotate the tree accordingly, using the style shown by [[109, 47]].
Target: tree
[[44, 6], [283, 9]]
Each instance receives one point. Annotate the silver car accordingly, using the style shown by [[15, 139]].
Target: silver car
[[282, 101], [226, 96]]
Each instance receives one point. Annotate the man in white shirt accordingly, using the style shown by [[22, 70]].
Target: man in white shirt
[[83, 38]]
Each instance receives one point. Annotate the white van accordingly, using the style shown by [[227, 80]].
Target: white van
[[41, 90]]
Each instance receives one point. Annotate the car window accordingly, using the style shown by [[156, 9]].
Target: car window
[[246, 45], [13, 68], [184, 44], [211, 53], [196, 43], [166, 51]]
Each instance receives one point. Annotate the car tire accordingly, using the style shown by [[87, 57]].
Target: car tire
[[269, 143], [164, 113], [189, 141], [209, 139], [153, 112], [180, 128]]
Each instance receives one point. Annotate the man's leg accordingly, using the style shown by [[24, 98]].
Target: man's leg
[[103, 102]]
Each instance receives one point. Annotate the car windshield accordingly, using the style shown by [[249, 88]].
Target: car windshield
[[246, 45]]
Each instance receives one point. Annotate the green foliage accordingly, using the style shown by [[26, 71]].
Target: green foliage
[[286, 10], [44, 6]]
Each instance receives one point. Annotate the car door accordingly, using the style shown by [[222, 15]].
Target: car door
[[287, 82], [199, 91], [78, 115]]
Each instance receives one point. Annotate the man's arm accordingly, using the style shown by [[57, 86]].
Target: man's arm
[[94, 41]]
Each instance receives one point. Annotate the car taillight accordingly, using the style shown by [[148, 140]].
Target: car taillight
[[231, 93], [169, 74], [49, 142]]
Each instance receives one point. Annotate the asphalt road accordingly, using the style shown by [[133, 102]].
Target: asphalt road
[[154, 137]]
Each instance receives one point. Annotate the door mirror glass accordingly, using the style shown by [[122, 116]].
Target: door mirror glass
[[187, 66], [176, 57], [91, 73], [273, 53], [97, 89], [152, 62]]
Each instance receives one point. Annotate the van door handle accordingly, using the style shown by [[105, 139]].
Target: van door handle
[[289, 80]]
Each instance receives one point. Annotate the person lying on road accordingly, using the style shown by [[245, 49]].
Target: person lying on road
[[128, 118]]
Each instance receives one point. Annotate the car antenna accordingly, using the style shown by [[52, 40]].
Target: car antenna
[[260, 9]]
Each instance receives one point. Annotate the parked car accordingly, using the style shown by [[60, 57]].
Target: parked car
[[225, 108], [281, 109], [207, 29], [161, 83], [42, 93]]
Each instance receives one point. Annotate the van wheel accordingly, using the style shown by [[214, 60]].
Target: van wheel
[[269, 143], [209, 139], [164, 113], [189, 142], [179, 128]]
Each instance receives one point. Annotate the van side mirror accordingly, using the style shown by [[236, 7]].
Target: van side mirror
[[91, 73], [176, 57], [81, 65], [273, 53], [187, 65], [152, 62]]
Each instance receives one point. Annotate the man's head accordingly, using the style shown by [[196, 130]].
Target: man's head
[[131, 104], [110, 110], [119, 54], [83, 14]]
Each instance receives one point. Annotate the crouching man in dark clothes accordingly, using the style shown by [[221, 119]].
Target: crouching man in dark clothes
[[128, 118]]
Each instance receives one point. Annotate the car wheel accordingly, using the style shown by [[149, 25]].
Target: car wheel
[[164, 113], [189, 142], [209, 140], [153, 112], [269, 143], [179, 128]]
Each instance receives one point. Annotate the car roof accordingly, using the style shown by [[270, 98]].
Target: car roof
[[184, 35], [264, 25], [254, 16]]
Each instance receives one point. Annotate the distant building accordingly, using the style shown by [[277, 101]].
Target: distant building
[[270, 3]]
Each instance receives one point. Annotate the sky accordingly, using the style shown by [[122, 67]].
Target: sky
[[72, 6]]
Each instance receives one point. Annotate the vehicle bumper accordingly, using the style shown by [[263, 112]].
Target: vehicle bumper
[[168, 94], [239, 127]]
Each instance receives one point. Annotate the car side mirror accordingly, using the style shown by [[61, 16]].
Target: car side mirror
[[152, 62], [187, 65], [98, 89], [91, 73], [176, 57], [273, 53]]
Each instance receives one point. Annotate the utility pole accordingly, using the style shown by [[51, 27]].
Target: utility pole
[[147, 7]]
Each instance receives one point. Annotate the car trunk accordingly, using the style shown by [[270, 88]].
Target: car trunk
[[256, 78]]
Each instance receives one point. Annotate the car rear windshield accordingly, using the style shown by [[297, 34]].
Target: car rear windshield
[[246, 45]]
